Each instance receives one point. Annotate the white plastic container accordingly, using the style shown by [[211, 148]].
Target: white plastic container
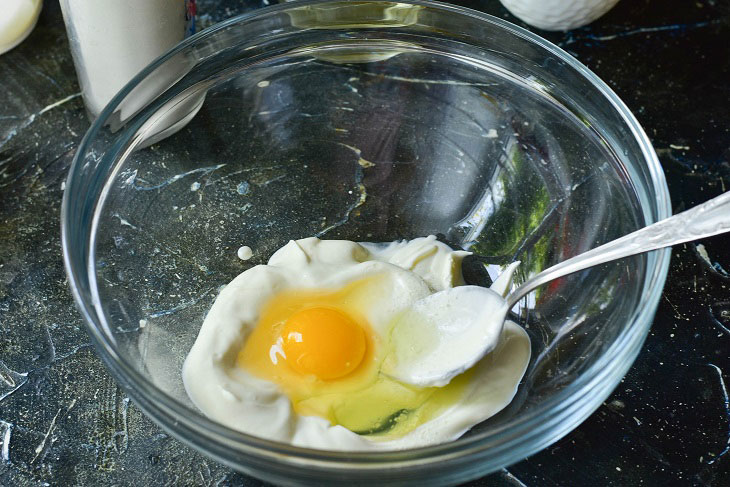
[[17, 19], [558, 14], [112, 40]]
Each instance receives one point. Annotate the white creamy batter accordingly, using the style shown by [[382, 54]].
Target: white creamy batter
[[406, 271]]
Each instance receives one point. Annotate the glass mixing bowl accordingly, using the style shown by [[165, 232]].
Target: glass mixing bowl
[[368, 121]]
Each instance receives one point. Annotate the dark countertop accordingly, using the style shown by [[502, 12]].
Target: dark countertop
[[64, 421]]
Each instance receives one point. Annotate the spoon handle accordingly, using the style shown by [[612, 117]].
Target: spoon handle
[[705, 220]]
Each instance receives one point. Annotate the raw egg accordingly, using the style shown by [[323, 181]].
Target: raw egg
[[318, 346]]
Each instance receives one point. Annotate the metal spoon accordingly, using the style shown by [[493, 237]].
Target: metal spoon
[[446, 333]]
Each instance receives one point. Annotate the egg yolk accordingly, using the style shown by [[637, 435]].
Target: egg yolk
[[311, 341], [323, 342]]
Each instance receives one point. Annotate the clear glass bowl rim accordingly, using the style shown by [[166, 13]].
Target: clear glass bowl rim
[[505, 444]]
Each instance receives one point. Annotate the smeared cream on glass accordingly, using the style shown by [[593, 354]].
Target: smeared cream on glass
[[261, 363]]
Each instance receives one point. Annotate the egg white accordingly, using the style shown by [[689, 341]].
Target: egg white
[[411, 270]]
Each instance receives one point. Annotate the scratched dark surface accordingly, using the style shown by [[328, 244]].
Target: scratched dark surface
[[64, 421]]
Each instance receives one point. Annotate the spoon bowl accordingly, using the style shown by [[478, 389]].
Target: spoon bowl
[[465, 318]]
